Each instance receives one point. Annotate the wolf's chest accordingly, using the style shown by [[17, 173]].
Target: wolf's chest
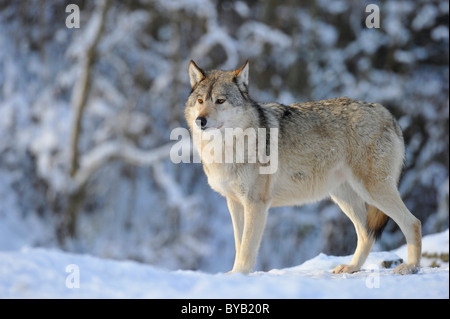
[[220, 182], [224, 180]]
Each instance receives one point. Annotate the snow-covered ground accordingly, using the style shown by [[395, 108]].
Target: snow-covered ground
[[44, 273]]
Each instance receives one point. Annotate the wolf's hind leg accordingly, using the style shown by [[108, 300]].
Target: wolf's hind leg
[[355, 208], [387, 198]]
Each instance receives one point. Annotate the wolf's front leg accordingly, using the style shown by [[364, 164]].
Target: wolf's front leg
[[237, 218], [255, 215]]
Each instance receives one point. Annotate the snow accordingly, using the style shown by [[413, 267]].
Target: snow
[[46, 273], [425, 17], [440, 33], [242, 9]]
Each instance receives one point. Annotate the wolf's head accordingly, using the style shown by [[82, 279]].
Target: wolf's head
[[219, 99]]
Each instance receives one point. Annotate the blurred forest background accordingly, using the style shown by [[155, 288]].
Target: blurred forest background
[[86, 114]]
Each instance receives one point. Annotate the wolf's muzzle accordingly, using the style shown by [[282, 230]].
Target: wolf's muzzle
[[201, 122]]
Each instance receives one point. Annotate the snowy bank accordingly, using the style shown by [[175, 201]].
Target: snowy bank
[[44, 273]]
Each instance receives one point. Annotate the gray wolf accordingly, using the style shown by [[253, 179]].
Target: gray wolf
[[349, 150]]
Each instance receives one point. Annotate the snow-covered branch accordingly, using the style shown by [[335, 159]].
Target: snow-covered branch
[[114, 150]]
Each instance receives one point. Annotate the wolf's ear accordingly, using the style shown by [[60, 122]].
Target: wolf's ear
[[195, 74], [241, 76]]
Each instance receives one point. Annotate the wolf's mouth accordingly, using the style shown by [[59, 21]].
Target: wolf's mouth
[[215, 128]]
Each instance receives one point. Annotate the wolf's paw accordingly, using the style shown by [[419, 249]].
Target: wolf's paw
[[345, 269], [406, 269], [234, 271]]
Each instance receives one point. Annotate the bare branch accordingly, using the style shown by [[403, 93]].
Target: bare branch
[[80, 91]]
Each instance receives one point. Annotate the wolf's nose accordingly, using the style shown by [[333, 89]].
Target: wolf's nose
[[201, 122]]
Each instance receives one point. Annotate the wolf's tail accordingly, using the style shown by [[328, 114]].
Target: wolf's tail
[[376, 221]]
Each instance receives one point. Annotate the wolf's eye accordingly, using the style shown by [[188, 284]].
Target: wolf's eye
[[220, 101], [200, 101]]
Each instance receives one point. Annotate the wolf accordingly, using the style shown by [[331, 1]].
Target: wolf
[[349, 150]]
